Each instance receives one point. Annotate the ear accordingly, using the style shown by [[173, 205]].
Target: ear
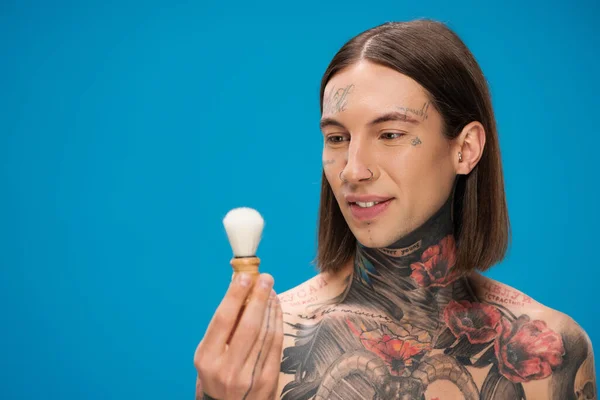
[[469, 143]]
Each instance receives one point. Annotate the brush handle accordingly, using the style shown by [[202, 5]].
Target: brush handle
[[248, 265]]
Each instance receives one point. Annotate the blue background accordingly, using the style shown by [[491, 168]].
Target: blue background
[[128, 130]]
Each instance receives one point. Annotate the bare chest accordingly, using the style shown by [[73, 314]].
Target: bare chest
[[348, 353]]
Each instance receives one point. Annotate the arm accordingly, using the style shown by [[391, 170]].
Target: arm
[[576, 379]]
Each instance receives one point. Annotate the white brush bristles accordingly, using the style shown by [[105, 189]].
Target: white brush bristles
[[244, 227]]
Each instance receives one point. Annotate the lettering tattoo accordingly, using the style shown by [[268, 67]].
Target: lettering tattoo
[[495, 293], [403, 251], [338, 310], [408, 319], [328, 162], [421, 113], [337, 99], [305, 294]]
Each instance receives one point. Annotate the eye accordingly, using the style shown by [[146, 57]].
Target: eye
[[335, 139], [392, 135]]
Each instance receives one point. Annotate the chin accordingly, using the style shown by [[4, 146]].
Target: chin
[[372, 237], [378, 233]]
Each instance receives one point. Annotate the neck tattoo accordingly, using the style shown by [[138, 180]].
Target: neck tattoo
[[406, 319]]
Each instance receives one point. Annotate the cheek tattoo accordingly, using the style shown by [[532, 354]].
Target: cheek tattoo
[[328, 162]]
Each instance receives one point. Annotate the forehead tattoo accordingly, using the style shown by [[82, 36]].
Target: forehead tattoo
[[336, 99]]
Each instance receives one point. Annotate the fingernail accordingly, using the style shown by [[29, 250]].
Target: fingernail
[[265, 282], [244, 279]]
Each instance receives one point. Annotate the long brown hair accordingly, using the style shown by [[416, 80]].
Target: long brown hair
[[435, 57]]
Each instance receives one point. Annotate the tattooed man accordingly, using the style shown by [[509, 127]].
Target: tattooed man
[[412, 207]]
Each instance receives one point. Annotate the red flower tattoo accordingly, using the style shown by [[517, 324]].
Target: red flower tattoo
[[436, 265], [397, 346], [476, 321], [527, 350]]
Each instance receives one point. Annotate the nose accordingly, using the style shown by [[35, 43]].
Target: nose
[[359, 167]]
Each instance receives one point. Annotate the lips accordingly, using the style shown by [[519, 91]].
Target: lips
[[368, 209], [365, 198]]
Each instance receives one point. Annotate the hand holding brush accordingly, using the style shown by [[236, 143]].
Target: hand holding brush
[[240, 354]]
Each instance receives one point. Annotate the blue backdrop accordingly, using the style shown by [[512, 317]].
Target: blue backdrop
[[129, 129]]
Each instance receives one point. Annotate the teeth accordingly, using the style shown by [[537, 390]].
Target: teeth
[[367, 204]]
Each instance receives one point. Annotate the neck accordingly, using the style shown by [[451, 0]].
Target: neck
[[415, 277]]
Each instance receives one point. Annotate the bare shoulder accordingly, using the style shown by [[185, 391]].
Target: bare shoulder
[[306, 293], [318, 290], [518, 303], [572, 358]]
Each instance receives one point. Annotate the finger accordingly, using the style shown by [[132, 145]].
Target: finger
[[275, 309], [272, 363], [269, 374], [251, 321], [226, 315], [199, 388], [261, 347]]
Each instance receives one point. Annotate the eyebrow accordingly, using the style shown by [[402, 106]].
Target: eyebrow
[[391, 116], [394, 116]]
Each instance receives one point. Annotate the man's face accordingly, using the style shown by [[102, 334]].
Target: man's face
[[379, 122]]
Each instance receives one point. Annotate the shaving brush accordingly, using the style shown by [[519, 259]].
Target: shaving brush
[[244, 227]]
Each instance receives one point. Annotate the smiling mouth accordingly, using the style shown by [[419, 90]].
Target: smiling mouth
[[368, 210], [366, 204]]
